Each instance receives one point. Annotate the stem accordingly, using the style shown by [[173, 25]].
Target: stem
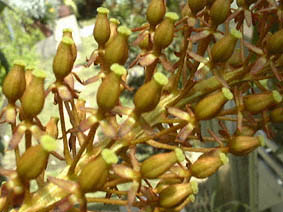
[[28, 139], [108, 201], [149, 71], [67, 153], [17, 150]]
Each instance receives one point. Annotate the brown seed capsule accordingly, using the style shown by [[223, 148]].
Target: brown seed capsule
[[208, 163], [155, 12], [67, 32], [224, 48], [14, 83], [114, 23], [117, 50], [175, 194], [95, 173], [256, 103], [109, 90], [158, 164], [274, 43], [196, 5], [101, 31], [63, 61], [277, 115], [35, 158], [243, 145], [219, 11], [34, 95], [212, 104], [148, 95], [164, 32]]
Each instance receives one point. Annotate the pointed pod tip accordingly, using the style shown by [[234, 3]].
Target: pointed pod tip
[[160, 78], [124, 30], [172, 16], [118, 69], [109, 156], [20, 63], [39, 73], [102, 10], [276, 96], [48, 143], [236, 34], [115, 21], [179, 154], [67, 40], [227, 93]]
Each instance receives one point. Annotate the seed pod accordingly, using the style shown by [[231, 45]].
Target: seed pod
[[67, 32], [34, 95], [212, 104], [28, 74], [175, 194], [155, 12], [158, 164], [101, 31], [113, 29], [235, 60], [63, 61], [210, 2], [94, 174], [219, 11], [109, 91], [186, 11], [14, 83], [224, 48], [35, 158], [117, 50], [164, 183], [164, 32], [196, 5], [243, 145], [256, 103], [145, 44], [208, 163], [148, 95], [277, 115], [274, 43]]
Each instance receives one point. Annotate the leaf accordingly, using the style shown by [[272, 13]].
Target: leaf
[[185, 132], [179, 113], [253, 48], [259, 64], [199, 36], [64, 93], [166, 64], [87, 123], [17, 136], [123, 171], [248, 17], [147, 59], [197, 57]]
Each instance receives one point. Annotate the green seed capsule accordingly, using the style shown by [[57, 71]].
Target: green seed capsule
[[114, 23], [67, 32], [148, 95], [243, 145], [158, 164], [212, 104], [95, 173], [196, 5], [34, 96], [109, 91], [256, 103], [277, 115], [35, 158], [175, 194], [208, 163], [117, 50], [101, 31], [64, 60], [224, 48], [14, 83], [164, 32], [219, 11], [155, 12], [274, 43]]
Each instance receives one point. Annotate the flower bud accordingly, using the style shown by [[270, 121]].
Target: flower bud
[[164, 32], [101, 31], [34, 95], [277, 115], [95, 173], [35, 158], [109, 90], [117, 50], [148, 95], [155, 12], [67, 32], [64, 60], [219, 11], [158, 164], [224, 48], [274, 43], [196, 5], [243, 145], [212, 104], [14, 83], [113, 29], [175, 194], [208, 163], [258, 102]]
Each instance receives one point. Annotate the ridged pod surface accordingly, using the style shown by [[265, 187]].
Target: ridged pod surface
[[101, 31]]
